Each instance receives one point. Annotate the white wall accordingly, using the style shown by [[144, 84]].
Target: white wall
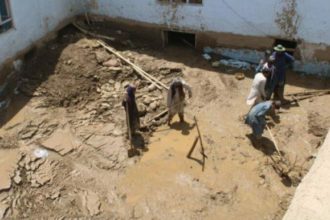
[[33, 19], [254, 17]]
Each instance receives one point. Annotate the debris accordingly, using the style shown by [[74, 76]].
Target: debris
[[239, 76], [206, 56], [208, 50], [236, 64], [153, 106], [215, 64], [17, 178], [101, 56], [142, 73], [111, 63]]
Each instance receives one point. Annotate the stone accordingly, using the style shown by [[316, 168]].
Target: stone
[[239, 76], [151, 88], [153, 106], [147, 100], [101, 56], [17, 178], [115, 69], [216, 64], [142, 109], [111, 81], [117, 86], [111, 63]]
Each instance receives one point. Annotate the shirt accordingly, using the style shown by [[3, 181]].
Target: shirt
[[257, 91]]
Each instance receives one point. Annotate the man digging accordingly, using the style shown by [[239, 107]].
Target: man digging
[[175, 99]]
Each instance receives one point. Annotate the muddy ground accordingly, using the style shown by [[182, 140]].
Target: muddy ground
[[63, 147]]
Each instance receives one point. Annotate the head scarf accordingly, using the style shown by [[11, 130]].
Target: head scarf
[[131, 92]]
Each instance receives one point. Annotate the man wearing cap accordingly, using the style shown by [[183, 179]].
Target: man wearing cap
[[282, 58], [256, 117], [257, 92]]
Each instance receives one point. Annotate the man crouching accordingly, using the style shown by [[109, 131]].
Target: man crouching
[[175, 99]]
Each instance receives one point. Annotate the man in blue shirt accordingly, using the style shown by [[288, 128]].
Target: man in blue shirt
[[256, 117], [281, 58]]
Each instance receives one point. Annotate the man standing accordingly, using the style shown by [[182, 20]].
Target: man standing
[[175, 99], [282, 58], [256, 117], [132, 113], [257, 92]]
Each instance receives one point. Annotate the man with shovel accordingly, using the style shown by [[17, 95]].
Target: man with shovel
[[132, 113], [256, 117]]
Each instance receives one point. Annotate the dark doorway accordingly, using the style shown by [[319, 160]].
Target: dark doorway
[[179, 39], [290, 45]]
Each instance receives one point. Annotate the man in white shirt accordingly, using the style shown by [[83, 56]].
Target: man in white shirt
[[257, 92]]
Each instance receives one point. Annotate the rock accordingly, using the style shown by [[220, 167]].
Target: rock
[[147, 100], [69, 62], [115, 69], [111, 81], [142, 109], [101, 56], [117, 86], [17, 178], [216, 64], [111, 63], [153, 106], [151, 88], [239, 76]]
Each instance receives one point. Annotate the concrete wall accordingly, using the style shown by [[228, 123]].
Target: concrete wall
[[33, 19], [312, 198], [308, 20]]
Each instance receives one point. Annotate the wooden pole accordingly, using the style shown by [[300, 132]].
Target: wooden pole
[[200, 139], [129, 127], [192, 147], [141, 72], [274, 141]]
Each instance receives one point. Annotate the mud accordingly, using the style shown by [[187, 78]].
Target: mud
[[69, 105]]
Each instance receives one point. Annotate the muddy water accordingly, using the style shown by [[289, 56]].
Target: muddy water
[[169, 185], [163, 166]]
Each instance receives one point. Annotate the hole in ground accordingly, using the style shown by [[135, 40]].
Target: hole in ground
[[179, 38]]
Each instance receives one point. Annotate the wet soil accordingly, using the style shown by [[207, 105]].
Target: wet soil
[[69, 104]]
